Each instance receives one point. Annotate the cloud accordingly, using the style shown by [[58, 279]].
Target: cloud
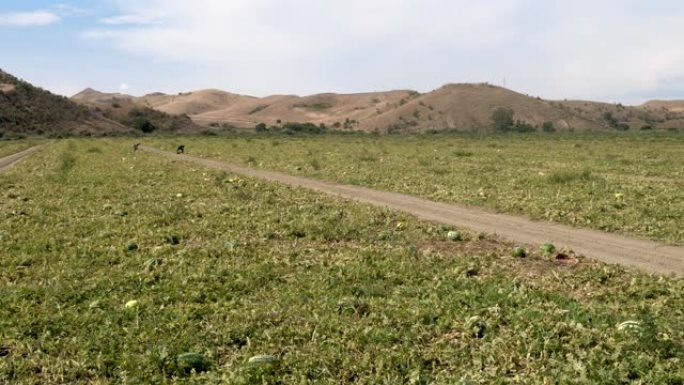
[[618, 52], [618, 49], [28, 19], [68, 10], [123, 87], [265, 46], [127, 19]]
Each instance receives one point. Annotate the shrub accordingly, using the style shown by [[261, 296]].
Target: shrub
[[548, 127], [320, 106], [146, 119], [522, 126], [143, 125], [503, 119], [610, 119], [304, 128]]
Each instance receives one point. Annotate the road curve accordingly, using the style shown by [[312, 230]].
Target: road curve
[[10, 160], [611, 248]]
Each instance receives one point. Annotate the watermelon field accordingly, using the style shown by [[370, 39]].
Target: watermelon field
[[122, 267], [9, 147], [631, 183]]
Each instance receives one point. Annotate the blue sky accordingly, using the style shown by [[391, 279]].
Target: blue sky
[[612, 50]]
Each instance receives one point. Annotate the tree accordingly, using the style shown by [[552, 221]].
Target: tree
[[143, 125], [261, 127], [610, 119], [548, 127], [523, 126], [503, 119]]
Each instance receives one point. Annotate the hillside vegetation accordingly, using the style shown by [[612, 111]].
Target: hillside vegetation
[[28, 110]]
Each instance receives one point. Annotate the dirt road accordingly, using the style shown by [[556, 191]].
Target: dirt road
[[611, 248], [8, 161]]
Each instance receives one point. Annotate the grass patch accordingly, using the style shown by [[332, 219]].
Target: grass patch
[[569, 176]]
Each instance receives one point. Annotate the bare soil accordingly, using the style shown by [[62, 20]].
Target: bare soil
[[610, 248]]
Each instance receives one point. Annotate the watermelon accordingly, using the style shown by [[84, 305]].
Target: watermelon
[[262, 360], [187, 362], [547, 248], [519, 252], [454, 236]]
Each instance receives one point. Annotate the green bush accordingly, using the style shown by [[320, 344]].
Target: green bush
[[261, 127], [548, 127], [522, 126], [503, 119], [144, 125]]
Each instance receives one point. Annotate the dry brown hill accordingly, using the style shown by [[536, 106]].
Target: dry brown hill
[[330, 109], [135, 112], [470, 107], [669, 105], [634, 117], [192, 103], [460, 107], [90, 95]]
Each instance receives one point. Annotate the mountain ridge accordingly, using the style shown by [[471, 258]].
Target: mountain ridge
[[454, 106]]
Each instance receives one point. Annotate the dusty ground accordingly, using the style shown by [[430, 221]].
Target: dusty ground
[[611, 248]]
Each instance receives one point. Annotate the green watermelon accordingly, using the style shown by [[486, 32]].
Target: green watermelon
[[187, 362]]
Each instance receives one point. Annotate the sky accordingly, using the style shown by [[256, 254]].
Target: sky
[[626, 51]]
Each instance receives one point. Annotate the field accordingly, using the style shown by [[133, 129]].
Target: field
[[626, 183], [14, 146], [115, 265]]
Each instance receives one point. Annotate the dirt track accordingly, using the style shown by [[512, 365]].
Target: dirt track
[[611, 248], [8, 161]]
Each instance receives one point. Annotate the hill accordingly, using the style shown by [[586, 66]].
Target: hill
[[134, 112], [470, 107], [193, 103], [29, 110], [458, 107], [668, 105]]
